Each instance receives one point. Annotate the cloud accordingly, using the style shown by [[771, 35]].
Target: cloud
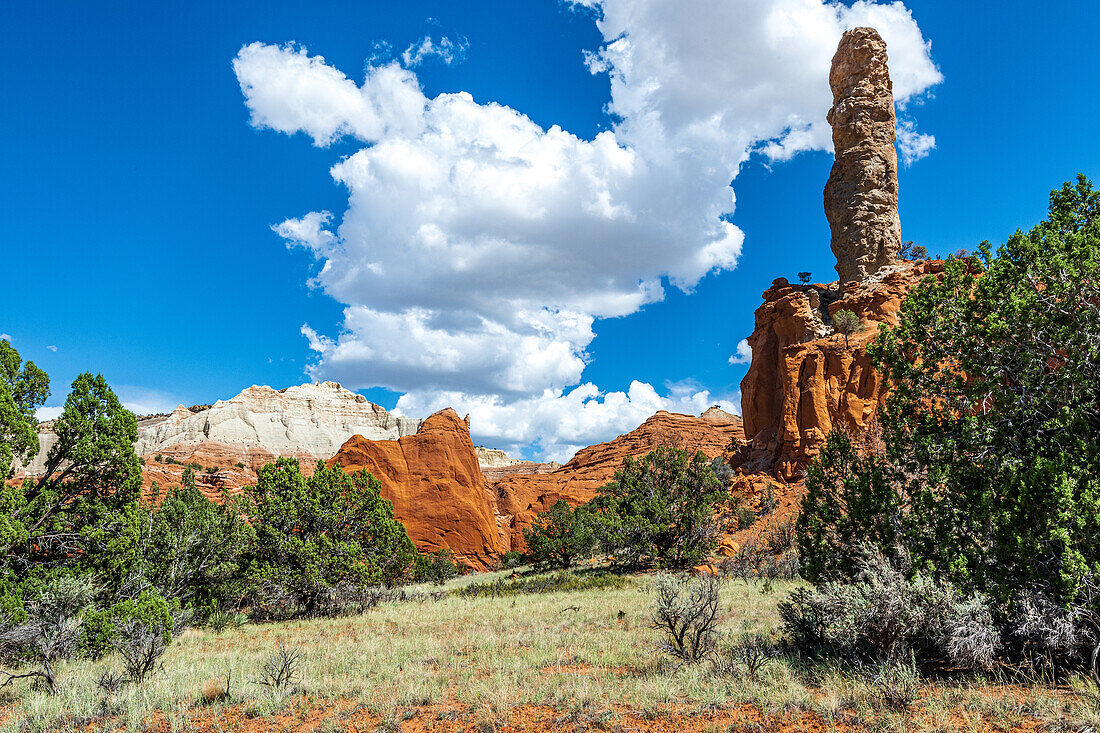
[[447, 51], [913, 145], [478, 249], [743, 355], [42, 414], [52, 348], [145, 401], [559, 423], [5, 337]]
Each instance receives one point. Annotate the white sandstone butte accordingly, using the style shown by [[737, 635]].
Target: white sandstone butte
[[309, 420]]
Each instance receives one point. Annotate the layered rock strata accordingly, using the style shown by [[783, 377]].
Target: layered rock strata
[[307, 420], [861, 196], [805, 378]]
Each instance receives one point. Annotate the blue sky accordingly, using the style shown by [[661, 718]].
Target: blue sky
[[139, 197]]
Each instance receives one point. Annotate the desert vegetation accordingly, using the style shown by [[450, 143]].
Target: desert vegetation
[[940, 574]]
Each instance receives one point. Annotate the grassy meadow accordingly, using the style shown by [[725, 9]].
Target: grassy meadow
[[577, 660]]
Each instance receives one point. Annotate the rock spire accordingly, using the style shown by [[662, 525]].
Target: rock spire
[[861, 197]]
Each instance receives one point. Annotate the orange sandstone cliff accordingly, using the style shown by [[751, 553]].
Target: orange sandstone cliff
[[435, 484], [804, 379]]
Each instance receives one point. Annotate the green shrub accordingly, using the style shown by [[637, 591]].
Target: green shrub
[[192, 549], [558, 582], [847, 324], [101, 627], [560, 536], [437, 568], [330, 528], [80, 517], [991, 473], [850, 500], [511, 559], [659, 510], [50, 631]]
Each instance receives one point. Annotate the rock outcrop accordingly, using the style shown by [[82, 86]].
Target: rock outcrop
[[520, 496], [861, 197], [231, 439], [436, 487], [493, 458], [805, 379], [307, 420]]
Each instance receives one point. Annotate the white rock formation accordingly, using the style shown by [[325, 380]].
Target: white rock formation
[[310, 419], [307, 420], [493, 458]]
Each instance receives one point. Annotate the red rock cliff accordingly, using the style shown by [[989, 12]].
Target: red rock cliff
[[804, 379], [435, 485]]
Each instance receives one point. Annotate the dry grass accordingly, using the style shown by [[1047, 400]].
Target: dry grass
[[495, 656]]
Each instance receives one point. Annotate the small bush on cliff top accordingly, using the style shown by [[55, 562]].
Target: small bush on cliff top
[[847, 323]]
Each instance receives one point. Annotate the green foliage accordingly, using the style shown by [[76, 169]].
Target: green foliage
[[50, 630], [511, 559], [991, 478], [995, 417], [191, 548], [437, 568], [81, 516], [101, 627], [23, 388], [560, 536], [557, 582], [849, 500], [847, 323], [911, 251], [330, 528], [659, 510]]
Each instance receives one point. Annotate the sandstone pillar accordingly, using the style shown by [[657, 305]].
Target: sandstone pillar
[[861, 197]]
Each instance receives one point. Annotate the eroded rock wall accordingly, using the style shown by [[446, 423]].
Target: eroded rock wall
[[436, 486], [804, 378]]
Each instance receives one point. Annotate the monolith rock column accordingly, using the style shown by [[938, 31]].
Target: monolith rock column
[[861, 197]]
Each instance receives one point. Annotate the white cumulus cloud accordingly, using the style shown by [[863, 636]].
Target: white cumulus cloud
[[744, 353], [478, 248], [913, 145], [42, 414], [560, 422]]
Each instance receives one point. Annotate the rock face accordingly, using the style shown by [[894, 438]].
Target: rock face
[[231, 439], [307, 420], [520, 496], [492, 458], [861, 197], [804, 379], [436, 487]]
